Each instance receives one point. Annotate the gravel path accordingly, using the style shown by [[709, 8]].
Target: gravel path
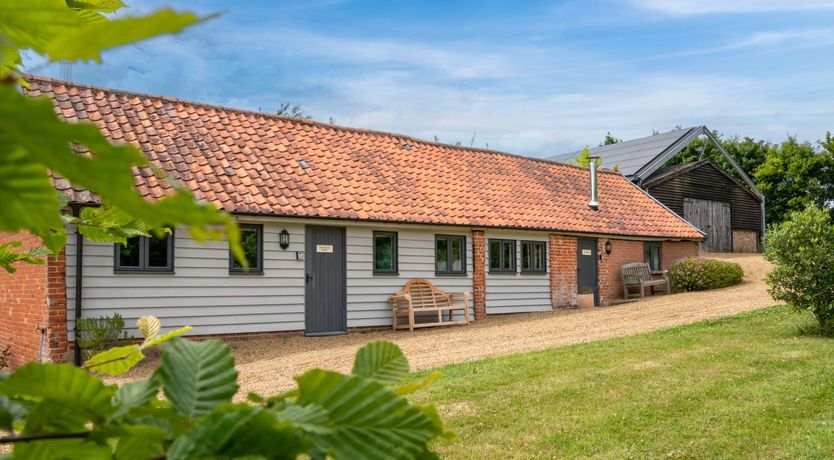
[[267, 365]]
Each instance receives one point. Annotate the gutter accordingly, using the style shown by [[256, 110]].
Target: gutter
[[79, 258]]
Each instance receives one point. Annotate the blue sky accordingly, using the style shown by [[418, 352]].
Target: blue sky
[[534, 78]]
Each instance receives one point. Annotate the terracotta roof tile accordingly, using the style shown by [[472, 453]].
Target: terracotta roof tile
[[249, 162]]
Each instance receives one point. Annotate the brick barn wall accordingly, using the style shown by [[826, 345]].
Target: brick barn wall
[[672, 251], [33, 297], [622, 252], [562, 270], [745, 241]]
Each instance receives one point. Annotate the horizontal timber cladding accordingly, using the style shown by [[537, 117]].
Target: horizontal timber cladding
[[203, 294], [707, 183], [517, 292]]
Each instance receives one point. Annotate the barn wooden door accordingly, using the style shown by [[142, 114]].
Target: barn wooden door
[[714, 219]]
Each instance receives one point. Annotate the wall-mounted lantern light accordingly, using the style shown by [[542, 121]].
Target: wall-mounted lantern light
[[608, 248], [284, 239]]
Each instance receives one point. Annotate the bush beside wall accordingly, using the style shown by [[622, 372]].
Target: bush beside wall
[[697, 274]]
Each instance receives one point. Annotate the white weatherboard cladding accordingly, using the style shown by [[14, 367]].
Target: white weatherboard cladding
[[367, 294], [516, 292], [201, 293]]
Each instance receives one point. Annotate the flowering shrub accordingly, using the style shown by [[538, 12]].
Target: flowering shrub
[[696, 274]]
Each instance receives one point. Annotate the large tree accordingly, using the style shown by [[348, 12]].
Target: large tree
[[796, 174]]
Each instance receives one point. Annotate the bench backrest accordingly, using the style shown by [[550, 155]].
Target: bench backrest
[[424, 294], [634, 273]]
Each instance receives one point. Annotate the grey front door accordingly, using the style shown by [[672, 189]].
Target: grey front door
[[713, 218], [325, 296], [586, 267]]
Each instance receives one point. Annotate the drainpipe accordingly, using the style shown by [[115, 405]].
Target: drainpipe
[[79, 257]]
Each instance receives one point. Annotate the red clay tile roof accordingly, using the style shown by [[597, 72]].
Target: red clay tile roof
[[250, 162]]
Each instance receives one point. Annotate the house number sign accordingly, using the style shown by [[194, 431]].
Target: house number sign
[[327, 248], [586, 252]]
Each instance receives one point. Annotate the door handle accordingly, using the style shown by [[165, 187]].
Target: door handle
[[308, 277]]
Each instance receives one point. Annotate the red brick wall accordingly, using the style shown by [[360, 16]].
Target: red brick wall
[[622, 252], [562, 270], [33, 297], [672, 251], [479, 274], [745, 241]]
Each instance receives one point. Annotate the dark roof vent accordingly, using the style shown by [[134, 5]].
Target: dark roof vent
[[303, 164], [229, 171], [406, 146]]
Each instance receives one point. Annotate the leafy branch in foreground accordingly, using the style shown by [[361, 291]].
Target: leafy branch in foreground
[[57, 410], [36, 144]]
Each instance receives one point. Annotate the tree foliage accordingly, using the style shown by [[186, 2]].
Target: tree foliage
[[802, 252], [59, 411], [610, 139], [36, 144]]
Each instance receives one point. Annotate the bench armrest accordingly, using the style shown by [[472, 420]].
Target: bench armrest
[[397, 300], [460, 297]]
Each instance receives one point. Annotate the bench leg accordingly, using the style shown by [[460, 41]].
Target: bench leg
[[410, 320], [394, 319]]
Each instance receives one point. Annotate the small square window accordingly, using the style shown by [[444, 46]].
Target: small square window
[[450, 254], [651, 255], [385, 252], [501, 256], [251, 240], [145, 254], [533, 257]]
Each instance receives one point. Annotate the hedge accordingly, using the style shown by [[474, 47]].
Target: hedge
[[697, 274]]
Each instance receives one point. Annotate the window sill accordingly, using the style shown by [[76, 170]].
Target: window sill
[[241, 273], [531, 273], [143, 272], [502, 272], [386, 273], [455, 274]]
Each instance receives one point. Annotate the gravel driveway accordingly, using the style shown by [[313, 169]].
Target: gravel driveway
[[268, 365]]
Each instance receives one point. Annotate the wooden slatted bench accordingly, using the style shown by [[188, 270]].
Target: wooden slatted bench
[[419, 295], [639, 275]]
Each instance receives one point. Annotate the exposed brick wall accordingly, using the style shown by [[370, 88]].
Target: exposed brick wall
[[672, 251], [33, 297], [745, 241], [610, 281], [479, 274], [562, 270]]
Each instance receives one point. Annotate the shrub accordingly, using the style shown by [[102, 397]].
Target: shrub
[[697, 274], [98, 334], [5, 357], [802, 252]]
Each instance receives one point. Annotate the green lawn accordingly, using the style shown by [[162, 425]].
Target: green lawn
[[749, 386]]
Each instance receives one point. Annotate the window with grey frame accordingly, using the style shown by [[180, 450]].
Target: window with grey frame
[[501, 256], [385, 253], [652, 255], [145, 254], [449, 255], [252, 242], [533, 257]]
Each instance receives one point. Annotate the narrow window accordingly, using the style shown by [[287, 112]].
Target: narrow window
[[450, 254], [145, 254], [533, 257], [251, 240], [651, 255], [385, 252], [502, 256]]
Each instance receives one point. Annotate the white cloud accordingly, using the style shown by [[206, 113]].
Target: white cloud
[[690, 7]]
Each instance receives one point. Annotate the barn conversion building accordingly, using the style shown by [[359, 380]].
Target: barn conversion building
[[335, 220], [728, 209]]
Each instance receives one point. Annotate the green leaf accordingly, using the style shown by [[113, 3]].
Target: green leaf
[[51, 416], [30, 124], [311, 418], [109, 224], [8, 257], [61, 449], [140, 442], [115, 361], [65, 383], [369, 420], [165, 337], [102, 6], [197, 376], [232, 431], [87, 42], [28, 196], [134, 394], [381, 361], [409, 388], [11, 412]]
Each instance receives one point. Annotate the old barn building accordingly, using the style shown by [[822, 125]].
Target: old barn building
[[730, 211]]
